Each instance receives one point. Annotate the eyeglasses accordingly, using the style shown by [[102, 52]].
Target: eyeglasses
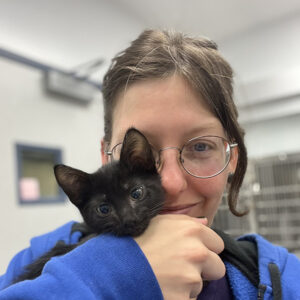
[[201, 157]]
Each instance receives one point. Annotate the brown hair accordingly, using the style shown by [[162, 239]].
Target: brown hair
[[159, 54]]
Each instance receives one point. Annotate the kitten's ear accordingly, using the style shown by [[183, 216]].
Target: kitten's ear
[[73, 182], [136, 152]]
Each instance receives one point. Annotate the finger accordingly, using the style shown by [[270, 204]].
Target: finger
[[213, 268], [207, 236], [196, 290], [211, 239]]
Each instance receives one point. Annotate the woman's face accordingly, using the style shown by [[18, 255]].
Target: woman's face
[[168, 112]]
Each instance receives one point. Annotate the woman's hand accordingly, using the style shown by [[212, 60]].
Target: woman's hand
[[182, 252]]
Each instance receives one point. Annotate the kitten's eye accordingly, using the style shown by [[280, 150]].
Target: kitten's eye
[[104, 209], [137, 193]]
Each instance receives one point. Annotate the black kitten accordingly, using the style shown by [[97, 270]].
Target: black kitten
[[120, 198]]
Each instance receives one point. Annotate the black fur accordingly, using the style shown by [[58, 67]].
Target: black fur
[[120, 198]]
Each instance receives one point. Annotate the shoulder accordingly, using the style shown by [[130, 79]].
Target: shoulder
[[104, 267], [38, 246], [268, 253], [278, 268], [262, 267], [42, 243]]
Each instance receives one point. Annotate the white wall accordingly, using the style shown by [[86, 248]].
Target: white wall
[[273, 137], [28, 115], [266, 54], [265, 50], [47, 30], [100, 28]]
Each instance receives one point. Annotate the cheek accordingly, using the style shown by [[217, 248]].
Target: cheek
[[211, 187], [210, 191]]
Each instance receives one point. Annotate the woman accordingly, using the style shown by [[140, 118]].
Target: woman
[[177, 91]]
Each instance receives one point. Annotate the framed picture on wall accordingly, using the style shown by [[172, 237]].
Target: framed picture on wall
[[36, 182]]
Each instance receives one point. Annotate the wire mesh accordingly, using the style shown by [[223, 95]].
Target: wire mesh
[[271, 191]]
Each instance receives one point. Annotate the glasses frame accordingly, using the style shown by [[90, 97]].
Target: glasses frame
[[230, 145]]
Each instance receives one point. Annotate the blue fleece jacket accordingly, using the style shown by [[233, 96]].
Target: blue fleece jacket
[[107, 267], [289, 273], [104, 267]]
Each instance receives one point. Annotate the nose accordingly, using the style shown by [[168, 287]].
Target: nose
[[173, 177]]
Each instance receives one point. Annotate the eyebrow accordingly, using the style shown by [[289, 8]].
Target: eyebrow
[[209, 128], [204, 129], [201, 130], [203, 126]]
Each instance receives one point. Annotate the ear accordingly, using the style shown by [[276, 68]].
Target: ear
[[136, 152], [104, 157], [233, 159], [73, 182]]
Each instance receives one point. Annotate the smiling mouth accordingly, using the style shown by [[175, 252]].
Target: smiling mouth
[[184, 209]]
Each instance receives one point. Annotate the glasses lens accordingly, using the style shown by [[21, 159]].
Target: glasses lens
[[116, 152], [205, 156]]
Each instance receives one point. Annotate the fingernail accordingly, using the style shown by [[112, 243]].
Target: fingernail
[[203, 220]]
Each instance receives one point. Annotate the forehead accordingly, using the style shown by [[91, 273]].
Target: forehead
[[163, 108]]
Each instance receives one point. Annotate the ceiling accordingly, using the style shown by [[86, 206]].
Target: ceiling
[[217, 19], [67, 33]]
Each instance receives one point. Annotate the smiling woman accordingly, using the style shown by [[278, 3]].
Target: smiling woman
[[171, 111], [177, 91]]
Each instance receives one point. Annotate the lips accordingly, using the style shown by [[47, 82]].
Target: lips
[[182, 209]]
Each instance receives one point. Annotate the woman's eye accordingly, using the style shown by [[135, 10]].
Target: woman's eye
[[104, 209], [200, 147], [137, 193]]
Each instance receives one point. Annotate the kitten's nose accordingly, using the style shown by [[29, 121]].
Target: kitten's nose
[[130, 221], [128, 217], [129, 228]]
